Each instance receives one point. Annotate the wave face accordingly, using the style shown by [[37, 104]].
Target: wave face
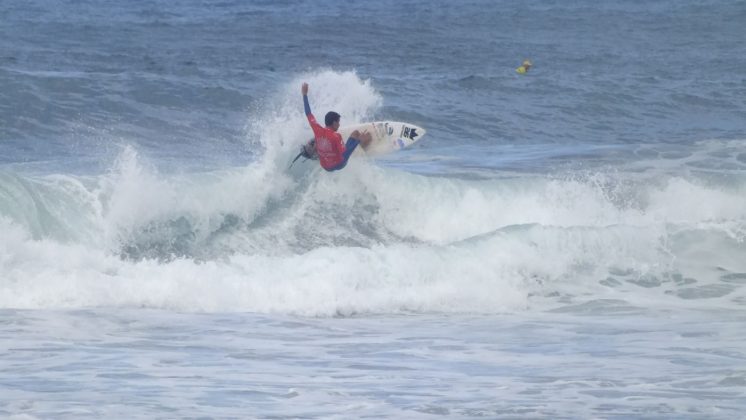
[[372, 238]]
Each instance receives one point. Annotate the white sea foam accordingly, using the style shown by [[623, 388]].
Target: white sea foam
[[369, 239], [453, 246]]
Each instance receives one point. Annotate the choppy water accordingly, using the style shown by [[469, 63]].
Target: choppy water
[[590, 363], [564, 244]]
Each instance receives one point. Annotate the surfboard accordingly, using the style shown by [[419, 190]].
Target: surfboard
[[386, 136]]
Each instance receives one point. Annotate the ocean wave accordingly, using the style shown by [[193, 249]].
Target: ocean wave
[[374, 240], [371, 239]]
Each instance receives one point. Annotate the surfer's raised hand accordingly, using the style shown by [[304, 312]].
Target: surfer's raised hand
[[304, 89]]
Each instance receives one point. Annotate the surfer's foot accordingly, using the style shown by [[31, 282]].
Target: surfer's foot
[[365, 139]]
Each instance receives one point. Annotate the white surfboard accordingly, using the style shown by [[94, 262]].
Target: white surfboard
[[387, 136]]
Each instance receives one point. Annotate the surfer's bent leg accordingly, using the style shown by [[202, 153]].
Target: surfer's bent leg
[[350, 147]]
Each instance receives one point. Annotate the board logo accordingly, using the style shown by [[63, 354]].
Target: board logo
[[409, 133], [400, 142]]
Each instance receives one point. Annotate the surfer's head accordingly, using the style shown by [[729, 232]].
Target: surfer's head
[[332, 120]]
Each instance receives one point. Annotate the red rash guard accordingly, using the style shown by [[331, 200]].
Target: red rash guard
[[329, 144]]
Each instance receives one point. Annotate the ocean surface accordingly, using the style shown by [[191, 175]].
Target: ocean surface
[[568, 243]]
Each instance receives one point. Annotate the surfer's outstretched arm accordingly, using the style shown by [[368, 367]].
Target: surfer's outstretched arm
[[306, 105]]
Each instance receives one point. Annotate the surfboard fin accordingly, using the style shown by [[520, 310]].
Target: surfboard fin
[[296, 158], [308, 151]]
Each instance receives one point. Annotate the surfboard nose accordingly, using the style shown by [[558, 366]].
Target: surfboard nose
[[413, 132], [421, 132]]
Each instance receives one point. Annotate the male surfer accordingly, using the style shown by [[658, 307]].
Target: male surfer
[[333, 153], [525, 67]]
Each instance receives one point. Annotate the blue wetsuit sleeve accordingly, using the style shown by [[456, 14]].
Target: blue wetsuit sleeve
[[306, 105]]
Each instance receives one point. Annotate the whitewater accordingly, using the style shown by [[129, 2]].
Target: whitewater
[[376, 240]]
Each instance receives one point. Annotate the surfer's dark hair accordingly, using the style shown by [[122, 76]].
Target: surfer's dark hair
[[331, 117]]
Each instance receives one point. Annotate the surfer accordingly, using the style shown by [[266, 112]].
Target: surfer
[[525, 67], [332, 152]]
